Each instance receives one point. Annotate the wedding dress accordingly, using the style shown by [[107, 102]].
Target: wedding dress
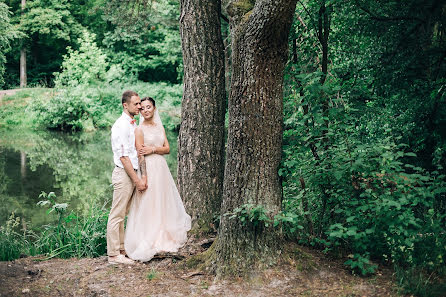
[[157, 221]]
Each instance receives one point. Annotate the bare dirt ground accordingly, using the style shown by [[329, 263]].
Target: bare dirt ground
[[302, 272]]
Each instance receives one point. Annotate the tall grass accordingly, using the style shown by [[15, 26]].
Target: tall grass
[[70, 236], [11, 241]]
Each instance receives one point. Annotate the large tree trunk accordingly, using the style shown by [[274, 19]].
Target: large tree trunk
[[23, 78], [259, 53], [201, 138]]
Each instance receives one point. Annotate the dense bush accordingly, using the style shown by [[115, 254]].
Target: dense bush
[[364, 160], [359, 193]]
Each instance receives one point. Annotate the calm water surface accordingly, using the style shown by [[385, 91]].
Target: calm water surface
[[76, 167]]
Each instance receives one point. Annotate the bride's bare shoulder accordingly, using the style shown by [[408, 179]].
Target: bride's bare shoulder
[[139, 131]]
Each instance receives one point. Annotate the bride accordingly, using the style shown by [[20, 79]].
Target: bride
[[157, 221]]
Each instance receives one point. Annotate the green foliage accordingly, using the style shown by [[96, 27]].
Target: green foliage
[[361, 264], [89, 90], [49, 19], [360, 193], [86, 66], [144, 41], [62, 112], [72, 236], [11, 111], [255, 215], [47, 28], [363, 156], [11, 242], [152, 274], [90, 107], [414, 281], [8, 32]]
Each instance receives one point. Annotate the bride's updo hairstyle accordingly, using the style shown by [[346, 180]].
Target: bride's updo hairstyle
[[150, 99]]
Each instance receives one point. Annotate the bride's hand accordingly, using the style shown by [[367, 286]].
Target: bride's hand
[[146, 150]]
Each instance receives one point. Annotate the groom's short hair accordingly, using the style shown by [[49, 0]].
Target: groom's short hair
[[127, 95]]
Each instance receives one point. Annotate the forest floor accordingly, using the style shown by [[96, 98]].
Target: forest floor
[[301, 272]]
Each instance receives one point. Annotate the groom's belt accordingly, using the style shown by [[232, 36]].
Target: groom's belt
[[123, 168]]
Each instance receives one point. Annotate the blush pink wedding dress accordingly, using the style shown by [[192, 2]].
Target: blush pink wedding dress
[[157, 221]]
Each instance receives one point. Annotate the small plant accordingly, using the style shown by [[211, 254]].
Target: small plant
[[152, 274], [204, 285], [361, 264], [256, 215]]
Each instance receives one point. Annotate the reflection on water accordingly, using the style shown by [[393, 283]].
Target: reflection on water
[[76, 167]]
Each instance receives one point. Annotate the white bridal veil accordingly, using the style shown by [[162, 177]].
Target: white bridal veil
[[156, 118]]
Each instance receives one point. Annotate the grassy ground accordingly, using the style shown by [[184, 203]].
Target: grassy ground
[[13, 104], [301, 272]]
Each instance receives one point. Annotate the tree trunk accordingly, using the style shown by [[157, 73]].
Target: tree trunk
[[23, 78], [259, 53], [201, 137]]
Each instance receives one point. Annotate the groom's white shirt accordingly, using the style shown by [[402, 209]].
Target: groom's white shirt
[[123, 140]]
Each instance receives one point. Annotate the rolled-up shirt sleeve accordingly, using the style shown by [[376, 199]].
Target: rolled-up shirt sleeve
[[120, 142]]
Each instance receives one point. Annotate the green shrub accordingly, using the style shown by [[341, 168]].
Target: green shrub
[[353, 186], [63, 112], [86, 66]]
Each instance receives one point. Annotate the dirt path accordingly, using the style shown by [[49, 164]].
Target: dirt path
[[305, 273], [8, 92]]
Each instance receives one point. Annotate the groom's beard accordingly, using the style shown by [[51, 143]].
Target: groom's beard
[[134, 114]]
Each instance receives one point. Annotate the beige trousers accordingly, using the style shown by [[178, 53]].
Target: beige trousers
[[122, 195]]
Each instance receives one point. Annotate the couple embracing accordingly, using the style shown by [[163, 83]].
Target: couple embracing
[[143, 187]]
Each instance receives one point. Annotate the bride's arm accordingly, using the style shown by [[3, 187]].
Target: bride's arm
[[139, 143], [162, 150]]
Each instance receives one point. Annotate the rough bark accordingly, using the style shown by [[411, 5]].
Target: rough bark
[[259, 34], [201, 137]]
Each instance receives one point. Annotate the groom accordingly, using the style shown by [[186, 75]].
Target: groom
[[124, 177]]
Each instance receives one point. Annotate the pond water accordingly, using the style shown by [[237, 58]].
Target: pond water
[[77, 167]]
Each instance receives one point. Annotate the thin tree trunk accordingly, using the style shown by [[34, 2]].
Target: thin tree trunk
[[22, 164], [259, 54], [323, 33], [201, 137], [23, 78]]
